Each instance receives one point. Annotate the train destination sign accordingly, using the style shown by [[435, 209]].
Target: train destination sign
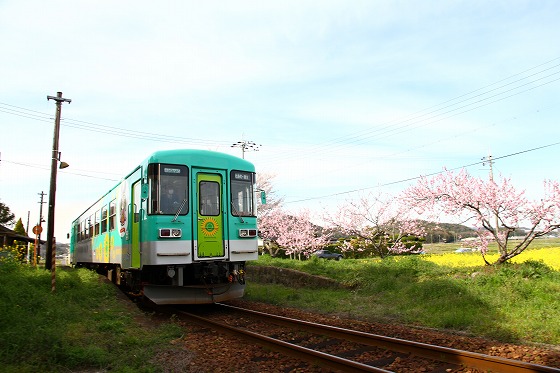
[[244, 176], [169, 170], [173, 170]]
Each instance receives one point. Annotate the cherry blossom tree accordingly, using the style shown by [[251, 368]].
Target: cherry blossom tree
[[376, 224], [293, 233], [496, 209], [265, 183], [266, 212]]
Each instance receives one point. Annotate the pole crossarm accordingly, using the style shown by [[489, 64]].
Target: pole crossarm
[[59, 99], [246, 146]]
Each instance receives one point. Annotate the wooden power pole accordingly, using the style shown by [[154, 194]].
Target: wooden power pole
[[54, 166]]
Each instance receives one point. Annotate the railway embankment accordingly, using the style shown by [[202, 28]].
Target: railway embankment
[[291, 277]]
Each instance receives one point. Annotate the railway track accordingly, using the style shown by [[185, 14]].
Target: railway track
[[349, 350]]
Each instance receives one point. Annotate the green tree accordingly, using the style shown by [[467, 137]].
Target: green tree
[[6, 216], [19, 229], [21, 246]]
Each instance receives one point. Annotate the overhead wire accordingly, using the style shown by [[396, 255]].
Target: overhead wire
[[44, 167], [441, 119], [392, 128], [421, 176], [111, 130], [400, 125], [138, 134]]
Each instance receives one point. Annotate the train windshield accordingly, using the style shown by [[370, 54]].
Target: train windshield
[[242, 196], [168, 189]]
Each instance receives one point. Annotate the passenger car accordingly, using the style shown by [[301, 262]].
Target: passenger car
[[326, 254]]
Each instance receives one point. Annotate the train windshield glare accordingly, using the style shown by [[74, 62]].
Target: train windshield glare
[[169, 189], [242, 197]]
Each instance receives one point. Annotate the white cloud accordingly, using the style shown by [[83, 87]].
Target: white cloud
[[328, 89]]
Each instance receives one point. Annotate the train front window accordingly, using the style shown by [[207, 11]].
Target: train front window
[[209, 198], [242, 197], [168, 189]]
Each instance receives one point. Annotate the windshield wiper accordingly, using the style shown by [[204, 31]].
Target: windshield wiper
[[237, 212], [180, 208]]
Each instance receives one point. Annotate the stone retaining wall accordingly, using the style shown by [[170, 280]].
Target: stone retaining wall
[[289, 277]]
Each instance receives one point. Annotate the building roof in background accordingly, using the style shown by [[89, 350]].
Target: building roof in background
[[8, 236]]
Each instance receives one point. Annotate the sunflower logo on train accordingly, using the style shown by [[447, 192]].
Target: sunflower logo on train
[[209, 227]]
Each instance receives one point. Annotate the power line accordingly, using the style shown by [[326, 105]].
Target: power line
[[441, 119], [421, 176], [111, 130], [418, 120], [88, 126], [390, 129], [44, 167]]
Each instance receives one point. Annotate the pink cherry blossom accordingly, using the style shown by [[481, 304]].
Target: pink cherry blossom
[[294, 233], [376, 223], [495, 208]]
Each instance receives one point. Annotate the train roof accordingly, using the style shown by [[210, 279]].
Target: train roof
[[199, 158], [190, 157]]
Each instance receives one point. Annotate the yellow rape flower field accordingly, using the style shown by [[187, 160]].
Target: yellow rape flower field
[[549, 256]]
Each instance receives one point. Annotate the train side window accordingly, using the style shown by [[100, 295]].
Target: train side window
[[242, 196], [79, 231], [96, 232], [90, 226], [104, 218], [83, 230], [112, 214]]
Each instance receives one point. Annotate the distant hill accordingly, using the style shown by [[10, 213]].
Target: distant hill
[[62, 248], [435, 232], [446, 232]]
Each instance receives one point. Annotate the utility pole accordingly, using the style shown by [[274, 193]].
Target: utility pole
[[27, 255], [54, 162], [38, 230], [246, 146]]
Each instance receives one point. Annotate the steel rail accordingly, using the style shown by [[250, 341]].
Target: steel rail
[[303, 353], [439, 353]]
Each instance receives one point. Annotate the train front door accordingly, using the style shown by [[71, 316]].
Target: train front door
[[135, 224], [210, 219]]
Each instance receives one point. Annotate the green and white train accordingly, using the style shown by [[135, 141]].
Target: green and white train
[[177, 229]]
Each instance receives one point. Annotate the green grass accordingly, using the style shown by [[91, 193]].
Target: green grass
[[79, 326], [513, 302], [82, 327]]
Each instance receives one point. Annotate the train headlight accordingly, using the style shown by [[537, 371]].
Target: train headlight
[[247, 233], [170, 233]]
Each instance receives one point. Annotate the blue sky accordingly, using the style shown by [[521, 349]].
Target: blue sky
[[341, 95]]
